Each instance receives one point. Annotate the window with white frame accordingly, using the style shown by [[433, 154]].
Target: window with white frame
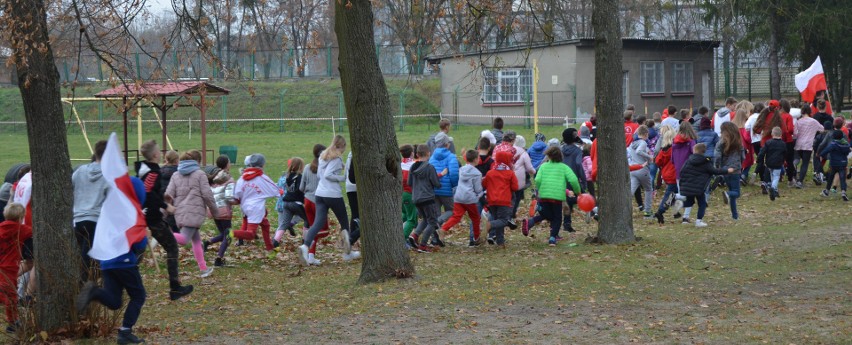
[[652, 77], [507, 85], [682, 77]]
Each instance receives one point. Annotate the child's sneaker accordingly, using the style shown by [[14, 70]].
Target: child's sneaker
[[660, 218], [436, 241], [678, 205], [525, 227], [85, 296], [512, 224], [351, 256], [315, 262], [700, 223], [843, 195], [833, 190], [303, 255], [180, 292], [824, 193], [219, 262], [275, 244], [800, 185], [649, 216], [552, 242], [412, 240], [726, 198], [205, 244], [686, 221], [424, 249], [491, 240], [587, 217], [472, 244], [206, 273], [763, 188], [126, 336]]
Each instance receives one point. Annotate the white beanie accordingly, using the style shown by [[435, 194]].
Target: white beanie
[[487, 134]]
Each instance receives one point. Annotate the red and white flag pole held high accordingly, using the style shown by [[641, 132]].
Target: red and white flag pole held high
[[121, 223], [811, 80]]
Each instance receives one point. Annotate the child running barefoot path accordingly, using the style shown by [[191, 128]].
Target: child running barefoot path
[[552, 179], [192, 198]]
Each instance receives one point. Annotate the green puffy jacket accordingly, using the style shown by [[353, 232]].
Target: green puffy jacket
[[553, 178]]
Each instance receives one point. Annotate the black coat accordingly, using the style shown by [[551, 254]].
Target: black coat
[[695, 175], [772, 153]]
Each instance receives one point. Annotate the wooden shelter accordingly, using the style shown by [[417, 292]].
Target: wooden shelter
[[164, 96]]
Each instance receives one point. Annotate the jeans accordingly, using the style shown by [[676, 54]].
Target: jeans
[[118, 279], [733, 182], [551, 212], [324, 204], [671, 191], [775, 175], [806, 159], [516, 200], [445, 202], [841, 171], [745, 173], [702, 204], [427, 210], [501, 215]]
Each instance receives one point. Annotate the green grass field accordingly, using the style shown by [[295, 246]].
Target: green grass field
[[779, 275]]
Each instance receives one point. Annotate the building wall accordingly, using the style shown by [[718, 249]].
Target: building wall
[[458, 77], [573, 65]]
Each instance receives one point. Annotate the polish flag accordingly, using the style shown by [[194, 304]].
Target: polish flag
[[811, 80], [23, 196], [121, 223]]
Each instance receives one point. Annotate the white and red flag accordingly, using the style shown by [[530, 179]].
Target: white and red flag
[[121, 223], [811, 80]]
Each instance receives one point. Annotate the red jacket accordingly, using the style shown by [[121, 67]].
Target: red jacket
[[12, 237], [787, 128], [664, 161], [501, 181], [629, 129], [594, 154]]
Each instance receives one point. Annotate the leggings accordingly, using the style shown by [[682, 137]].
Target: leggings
[[292, 209], [161, 231], [224, 227], [355, 224], [311, 213], [189, 233], [789, 158], [337, 206]]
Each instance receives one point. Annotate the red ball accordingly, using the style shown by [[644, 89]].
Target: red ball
[[586, 202]]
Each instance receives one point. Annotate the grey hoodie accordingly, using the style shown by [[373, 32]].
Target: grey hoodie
[[469, 189], [309, 184], [423, 180], [90, 191], [638, 152]]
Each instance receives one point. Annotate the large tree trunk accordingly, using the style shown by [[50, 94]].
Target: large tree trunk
[[774, 73], [55, 245], [616, 221], [374, 146]]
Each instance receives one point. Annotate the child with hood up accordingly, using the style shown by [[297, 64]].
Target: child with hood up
[[499, 184], [251, 191], [536, 150]]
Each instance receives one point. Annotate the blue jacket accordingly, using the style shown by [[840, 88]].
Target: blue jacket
[[129, 259], [536, 153], [710, 138], [836, 152], [443, 158]]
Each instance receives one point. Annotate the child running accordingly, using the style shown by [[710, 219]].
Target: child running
[[467, 196], [771, 157], [293, 201], [500, 183], [409, 212], [694, 177], [252, 190], [192, 198], [223, 192], [552, 179], [640, 154], [666, 167], [729, 154], [837, 152], [310, 182], [13, 234], [423, 181]]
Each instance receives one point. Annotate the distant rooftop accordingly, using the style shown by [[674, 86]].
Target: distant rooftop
[[183, 88]]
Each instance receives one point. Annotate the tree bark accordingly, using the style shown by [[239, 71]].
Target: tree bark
[[616, 221], [774, 35], [374, 145], [55, 245]]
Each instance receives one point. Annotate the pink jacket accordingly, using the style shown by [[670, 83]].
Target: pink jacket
[[192, 197], [805, 131], [523, 165]]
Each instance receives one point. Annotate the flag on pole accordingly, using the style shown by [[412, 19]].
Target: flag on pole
[[121, 223], [811, 80]]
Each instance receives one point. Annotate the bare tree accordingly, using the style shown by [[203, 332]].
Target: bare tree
[[374, 145], [412, 23], [616, 223], [24, 25], [303, 21]]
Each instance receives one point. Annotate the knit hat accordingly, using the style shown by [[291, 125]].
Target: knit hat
[[256, 160], [569, 136], [509, 136], [520, 142], [441, 139], [705, 123], [584, 132], [540, 137], [553, 142], [487, 134]]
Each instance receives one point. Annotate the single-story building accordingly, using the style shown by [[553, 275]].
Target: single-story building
[[481, 85]]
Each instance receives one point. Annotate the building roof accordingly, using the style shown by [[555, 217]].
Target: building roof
[[184, 88], [586, 42]]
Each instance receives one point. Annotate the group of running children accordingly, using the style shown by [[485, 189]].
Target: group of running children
[[680, 149]]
